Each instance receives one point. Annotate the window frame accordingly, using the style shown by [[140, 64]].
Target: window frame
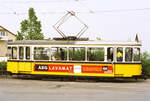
[[52, 58], [16, 53], [139, 54], [21, 58], [116, 57], [2, 33], [77, 47], [26, 52], [40, 54], [131, 54], [112, 53], [95, 60], [67, 50]]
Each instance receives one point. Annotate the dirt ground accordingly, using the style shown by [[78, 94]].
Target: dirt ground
[[12, 89]]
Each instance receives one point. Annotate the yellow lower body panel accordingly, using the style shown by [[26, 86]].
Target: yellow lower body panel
[[12, 67], [75, 69], [128, 70]]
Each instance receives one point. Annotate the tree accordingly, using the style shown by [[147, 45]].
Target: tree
[[30, 28], [145, 55], [19, 36], [98, 38], [146, 63]]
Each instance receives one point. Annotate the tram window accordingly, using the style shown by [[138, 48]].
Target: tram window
[[9, 52], [21, 52], [14, 52], [95, 54], [58, 53], [110, 51], [41, 53], [27, 52], [77, 53], [128, 54], [136, 54], [119, 54]]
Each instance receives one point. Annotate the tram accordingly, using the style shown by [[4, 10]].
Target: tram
[[83, 58], [75, 56]]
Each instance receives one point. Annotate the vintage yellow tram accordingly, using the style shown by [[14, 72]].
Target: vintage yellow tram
[[86, 58]]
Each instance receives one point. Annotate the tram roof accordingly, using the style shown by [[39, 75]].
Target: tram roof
[[89, 42]]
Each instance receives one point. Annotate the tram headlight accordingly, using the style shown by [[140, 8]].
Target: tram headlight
[[105, 68]]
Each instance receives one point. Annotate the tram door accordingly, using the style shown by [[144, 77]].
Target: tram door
[[24, 57], [118, 57], [110, 56], [27, 63], [21, 59]]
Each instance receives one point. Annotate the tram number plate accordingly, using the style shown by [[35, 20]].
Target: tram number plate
[[41, 67]]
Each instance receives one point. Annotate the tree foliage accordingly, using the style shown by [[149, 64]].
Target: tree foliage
[[30, 28], [98, 38], [146, 63], [19, 36], [3, 66]]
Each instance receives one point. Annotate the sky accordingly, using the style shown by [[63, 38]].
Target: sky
[[108, 19]]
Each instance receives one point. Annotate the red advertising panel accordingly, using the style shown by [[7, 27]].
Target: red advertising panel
[[53, 68], [97, 69], [73, 68], [60, 68], [91, 69]]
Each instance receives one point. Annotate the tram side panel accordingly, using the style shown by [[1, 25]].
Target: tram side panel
[[25, 67], [19, 67], [12, 67], [100, 70], [74, 69], [28, 67], [128, 70]]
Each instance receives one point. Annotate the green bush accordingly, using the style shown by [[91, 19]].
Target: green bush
[[3, 66], [146, 63], [146, 66]]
